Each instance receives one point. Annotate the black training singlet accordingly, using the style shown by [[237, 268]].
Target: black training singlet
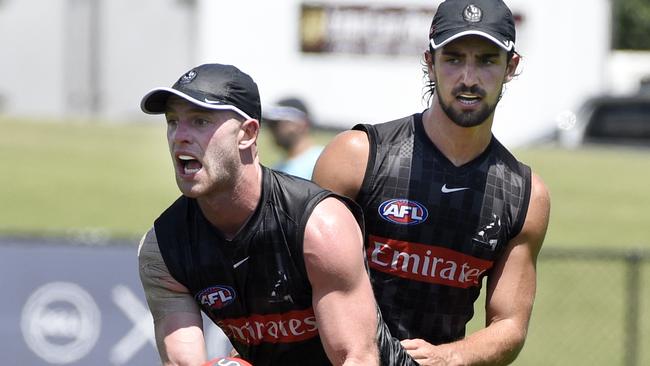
[[255, 287], [434, 230]]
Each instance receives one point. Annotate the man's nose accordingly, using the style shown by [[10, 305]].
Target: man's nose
[[470, 75], [181, 133]]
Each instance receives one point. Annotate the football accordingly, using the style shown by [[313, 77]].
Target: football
[[227, 361]]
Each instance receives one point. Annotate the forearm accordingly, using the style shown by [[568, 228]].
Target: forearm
[[347, 340], [180, 341], [360, 361], [497, 344]]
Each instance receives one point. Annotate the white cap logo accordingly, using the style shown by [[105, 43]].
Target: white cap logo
[[472, 14], [60, 322], [188, 77]]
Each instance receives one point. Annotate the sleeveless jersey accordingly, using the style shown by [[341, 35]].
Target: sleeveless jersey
[[434, 230], [254, 287]]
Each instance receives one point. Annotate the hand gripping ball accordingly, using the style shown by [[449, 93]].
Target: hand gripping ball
[[227, 361]]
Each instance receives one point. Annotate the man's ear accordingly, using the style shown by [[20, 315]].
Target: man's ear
[[428, 59], [511, 68], [248, 133]]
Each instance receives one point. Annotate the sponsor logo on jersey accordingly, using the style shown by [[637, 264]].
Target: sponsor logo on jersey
[[425, 263], [293, 326], [446, 189], [216, 297], [402, 211]]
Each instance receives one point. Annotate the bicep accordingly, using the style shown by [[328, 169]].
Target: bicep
[[177, 318], [342, 295], [342, 164], [163, 292], [512, 285], [333, 247]]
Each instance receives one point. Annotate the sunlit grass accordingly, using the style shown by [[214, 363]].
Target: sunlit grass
[[115, 178], [98, 180]]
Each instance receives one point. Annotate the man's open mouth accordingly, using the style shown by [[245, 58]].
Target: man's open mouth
[[189, 164], [468, 99]]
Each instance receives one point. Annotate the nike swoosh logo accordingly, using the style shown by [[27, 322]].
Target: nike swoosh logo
[[444, 189], [240, 262], [212, 101]]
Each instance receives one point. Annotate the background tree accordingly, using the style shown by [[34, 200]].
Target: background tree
[[631, 24]]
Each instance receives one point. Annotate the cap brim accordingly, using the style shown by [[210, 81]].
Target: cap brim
[[155, 102], [506, 45], [283, 113]]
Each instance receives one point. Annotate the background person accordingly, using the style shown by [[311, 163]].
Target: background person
[[445, 204], [273, 260], [290, 124]]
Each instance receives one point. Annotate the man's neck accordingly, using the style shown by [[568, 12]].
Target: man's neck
[[230, 210], [459, 144]]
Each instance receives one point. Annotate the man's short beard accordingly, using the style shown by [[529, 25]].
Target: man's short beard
[[468, 119]]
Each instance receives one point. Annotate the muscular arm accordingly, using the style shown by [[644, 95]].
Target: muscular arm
[[177, 318], [509, 302], [342, 295], [342, 164]]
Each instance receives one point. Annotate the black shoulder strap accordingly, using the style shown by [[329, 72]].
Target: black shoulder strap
[[171, 228], [523, 210], [369, 175]]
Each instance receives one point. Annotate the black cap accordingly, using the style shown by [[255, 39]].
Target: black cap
[[491, 19], [211, 86], [288, 109]]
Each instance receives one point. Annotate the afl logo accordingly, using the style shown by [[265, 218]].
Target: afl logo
[[403, 212], [216, 297]]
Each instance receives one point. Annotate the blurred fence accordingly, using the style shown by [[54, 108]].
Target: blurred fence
[[75, 304], [591, 308], [70, 303]]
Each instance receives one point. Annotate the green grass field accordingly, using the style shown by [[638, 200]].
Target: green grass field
[[60, 179], [106, 180], [111, 181]]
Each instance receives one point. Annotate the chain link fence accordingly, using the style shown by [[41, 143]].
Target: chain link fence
[[592, 308]]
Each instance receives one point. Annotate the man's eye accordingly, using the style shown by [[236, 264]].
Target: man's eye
[[172, 122], [201, 122]]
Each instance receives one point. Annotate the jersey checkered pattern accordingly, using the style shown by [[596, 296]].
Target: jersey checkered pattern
[[258, 279], [427, 271]]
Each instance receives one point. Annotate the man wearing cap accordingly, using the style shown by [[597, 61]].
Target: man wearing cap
[[275, 261], [232, 245], [290, 125], [445, 204]]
